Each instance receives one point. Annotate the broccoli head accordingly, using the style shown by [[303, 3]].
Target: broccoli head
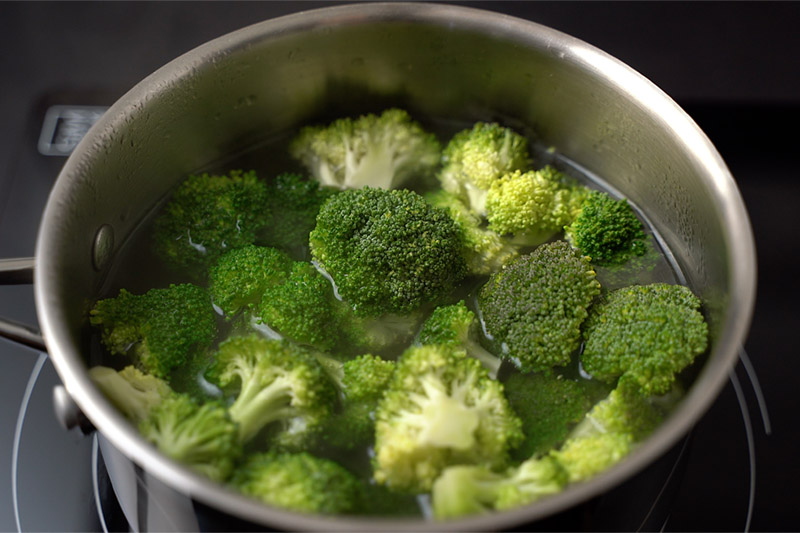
[[381, 151], [207, 215], [533, 206], [299, 482], [644, 335], [533, 309], [440, 409], [201, 436], [477, 157], [240, 277], [387, 251], [276, 383], [606, 230], [131, 391], [484, 250], [622, 411], [585, 457], [293, 202], [161, 329]]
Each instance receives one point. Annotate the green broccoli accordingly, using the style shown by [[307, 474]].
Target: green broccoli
[[440, 409], [533, 206], [276, 383], [456, 326], [585, 457], [477, 157], [484, 250], [201, 436], [533, 309], [160, 329], [238, 280], [293, 202], [549, 406], [644, 335], [387, 251], [376, 151], [131, 391], [464, 490], [606, 230], [299, 482], [207, 215]]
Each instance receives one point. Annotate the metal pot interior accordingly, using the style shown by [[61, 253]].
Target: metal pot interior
[[444, 62]]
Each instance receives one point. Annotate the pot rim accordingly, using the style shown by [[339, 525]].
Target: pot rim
[[741, 248]]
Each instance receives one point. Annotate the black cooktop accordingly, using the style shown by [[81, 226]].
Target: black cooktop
[[732, 66]]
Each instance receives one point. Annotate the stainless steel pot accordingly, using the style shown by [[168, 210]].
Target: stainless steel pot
[[435, 60]]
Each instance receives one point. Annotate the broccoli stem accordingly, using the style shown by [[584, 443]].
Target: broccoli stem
[[256, 407]]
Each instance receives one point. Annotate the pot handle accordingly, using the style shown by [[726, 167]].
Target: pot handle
[[19, 272]]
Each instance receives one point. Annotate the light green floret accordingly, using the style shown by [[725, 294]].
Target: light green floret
[[533, 206], [484, 250], [585, 457], [202, 437], [475, 158], [299, 482], [159, 330], [131, 391], [208, 215], [240, 277], [644, 335], [622, 411], [533, 309], [441, 409], [381, 151], [465, 490], [457, 327], [607, 230], [276, 383]]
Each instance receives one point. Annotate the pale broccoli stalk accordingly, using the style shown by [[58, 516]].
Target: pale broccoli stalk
[[376, 151], [456, 326], [131, 391], [475, 158], [531, 207], [441, 409], [484, 250]]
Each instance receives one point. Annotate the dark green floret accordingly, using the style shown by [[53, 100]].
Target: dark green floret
[[299, 482], [240, 277], [387, 251], [201, 436], [160, 329], [533, 309], [475, 158], [276, 384], [441, 409], [207, 215], [644, 335], [381, 151], [607, 230]]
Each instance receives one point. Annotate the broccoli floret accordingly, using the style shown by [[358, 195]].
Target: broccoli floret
[[533, 309], [239, 278], [201, 436], [472, 489], [533, 206], [477, 157], [440, 409], [587, 456], [456, 326], [387, 251], [293, 202], [549, 406], [207, 215], [277, 383], [644, 335], [622, 411], [300, 482], [376, 151], [606, 230], [484, 250], [130, 390], [161, 329]]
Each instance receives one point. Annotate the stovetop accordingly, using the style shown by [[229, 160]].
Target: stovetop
[[732, 66]]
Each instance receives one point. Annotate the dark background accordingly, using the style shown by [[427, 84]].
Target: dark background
[[732, 65]]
